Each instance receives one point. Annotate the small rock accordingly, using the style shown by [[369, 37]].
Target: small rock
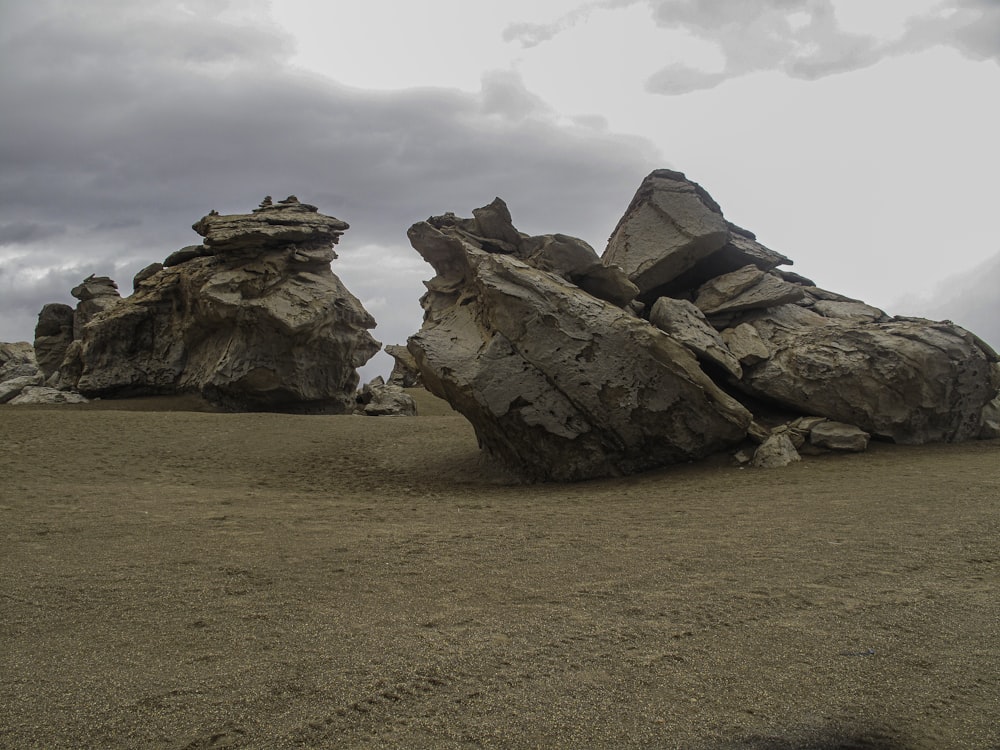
[[775, 452], [839, 436], [43, 395]]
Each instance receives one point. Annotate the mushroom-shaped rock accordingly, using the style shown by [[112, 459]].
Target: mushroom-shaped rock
[[259, 323]]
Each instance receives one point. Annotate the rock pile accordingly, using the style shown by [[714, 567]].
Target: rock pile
[[253, 318], [684, 339]]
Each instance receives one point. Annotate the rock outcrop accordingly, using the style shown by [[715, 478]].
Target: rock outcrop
[[379, 399], [405, 372], [53, 335], [567, 373], [254, 319], [558, 382], [18, 370]]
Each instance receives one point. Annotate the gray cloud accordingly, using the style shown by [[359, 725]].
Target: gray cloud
[[969, 299], [970, 26], [126, 122], [800, 38]]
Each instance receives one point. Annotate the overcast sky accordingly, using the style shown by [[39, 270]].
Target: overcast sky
[[857, 137]]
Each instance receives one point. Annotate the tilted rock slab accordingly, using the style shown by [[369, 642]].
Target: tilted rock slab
[[257, 320], [803, 349], [556, 382]]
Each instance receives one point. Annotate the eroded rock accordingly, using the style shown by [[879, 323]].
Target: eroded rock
[[255, 321], [556, 382]]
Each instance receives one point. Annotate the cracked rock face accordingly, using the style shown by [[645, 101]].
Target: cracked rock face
[[564, 378], [557, 382], [255, 320]]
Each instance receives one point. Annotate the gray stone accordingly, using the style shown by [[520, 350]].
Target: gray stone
[[671, 224], [907, 381], [838, 436], [745, 344], [557, 383], [95, 286], [405, 372], [189, 252], [283, 224], [146, 273], [775, 452], [16, 360], [746, 289], [44, 395], [262, 324], [686, 323], [9, 389], [53, 334], [849, 310], [377, 399]]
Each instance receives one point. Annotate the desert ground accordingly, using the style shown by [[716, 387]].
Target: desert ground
[[178, 578]]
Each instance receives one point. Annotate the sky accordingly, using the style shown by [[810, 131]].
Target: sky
[[857, 137]]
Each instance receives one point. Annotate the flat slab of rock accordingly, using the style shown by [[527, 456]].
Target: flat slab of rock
[[838, 436], [287, 222], [749, 288], [671, 224]]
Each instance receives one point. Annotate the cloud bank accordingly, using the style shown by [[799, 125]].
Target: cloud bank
[[800, 38], [123, 123]]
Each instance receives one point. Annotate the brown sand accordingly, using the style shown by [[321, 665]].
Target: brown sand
[[186, 579]]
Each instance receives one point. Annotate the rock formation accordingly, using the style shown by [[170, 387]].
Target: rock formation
[[567, 371], [405, 372], [53, 335], [18, 370], [379, 399], [560, 383], [253, 318]]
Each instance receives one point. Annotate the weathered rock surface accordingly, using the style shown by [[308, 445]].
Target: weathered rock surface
[[255, 321], [405, 372], [686, 323], [671, 225], [745, 344], [46, 395], [777, 451], [905, 380], [748, 288], [53, 334], [838, 436], [568, 382], [11, 388], [557, 382], [16, 360], [379, 399]]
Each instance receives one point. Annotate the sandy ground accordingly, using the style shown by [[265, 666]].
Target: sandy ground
[[188, 579]]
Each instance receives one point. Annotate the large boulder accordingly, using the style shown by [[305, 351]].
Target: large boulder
[[17, 360], [556, 382], [53, 335], [257, 320], [568, 379], [906, 380]]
